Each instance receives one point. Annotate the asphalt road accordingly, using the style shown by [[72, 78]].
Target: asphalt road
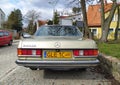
[[11, 74]]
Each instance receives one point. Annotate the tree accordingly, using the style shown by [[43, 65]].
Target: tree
[[83, 8], [15, 20], [87, 31], [105, 22], [50, 22], [56, 18], [118, 23], [31, 16], [76, 9]]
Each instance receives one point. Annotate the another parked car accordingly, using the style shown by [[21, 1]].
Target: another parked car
[[57, 47], [5, 37]]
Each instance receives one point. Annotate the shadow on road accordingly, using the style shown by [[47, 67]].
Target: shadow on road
[[72, 74], [69, 74], [88, 74]]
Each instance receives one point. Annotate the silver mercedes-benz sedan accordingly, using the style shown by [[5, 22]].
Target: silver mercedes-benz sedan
[[57, 47]]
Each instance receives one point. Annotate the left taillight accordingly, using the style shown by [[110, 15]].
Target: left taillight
[[37, 52]]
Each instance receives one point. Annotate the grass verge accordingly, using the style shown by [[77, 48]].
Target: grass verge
[[110, 48]]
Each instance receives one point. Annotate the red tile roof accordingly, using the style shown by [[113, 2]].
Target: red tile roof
[[94, 15], [41, 22]]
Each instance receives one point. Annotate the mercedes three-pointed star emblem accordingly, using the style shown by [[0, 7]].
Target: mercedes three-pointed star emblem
[[57, 44]]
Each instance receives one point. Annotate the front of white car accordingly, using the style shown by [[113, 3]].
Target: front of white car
[[57, 47]]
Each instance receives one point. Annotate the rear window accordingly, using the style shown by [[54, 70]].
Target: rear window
[[58, 31]]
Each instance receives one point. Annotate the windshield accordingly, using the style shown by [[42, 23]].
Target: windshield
[[58, 31]]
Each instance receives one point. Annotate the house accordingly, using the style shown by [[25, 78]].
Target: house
[[73, 17], [2, 18], [78, 18], [94, 20], [40, 23]]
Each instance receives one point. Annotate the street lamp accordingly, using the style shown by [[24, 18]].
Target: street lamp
[[53, 3]]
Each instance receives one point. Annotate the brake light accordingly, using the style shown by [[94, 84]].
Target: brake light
[[89, 52], [76, 52], [29, 52], [38, 52]]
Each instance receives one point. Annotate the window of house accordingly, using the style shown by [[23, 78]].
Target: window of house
[[1, 16], [110, 31], [119, 30], [119, 33], [94, 31]]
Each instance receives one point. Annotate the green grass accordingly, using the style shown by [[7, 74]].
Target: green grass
[[111, 48]]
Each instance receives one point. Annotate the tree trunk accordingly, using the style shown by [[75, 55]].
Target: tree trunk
[[117, 27], [105, 23], [87, 31]]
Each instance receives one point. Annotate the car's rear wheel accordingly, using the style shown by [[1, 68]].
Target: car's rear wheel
[[10, 43], [33, 68]]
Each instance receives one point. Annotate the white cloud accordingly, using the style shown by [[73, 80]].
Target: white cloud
[[42, 6]]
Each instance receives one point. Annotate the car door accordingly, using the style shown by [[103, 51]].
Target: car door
[[1, 38], [6, 37]]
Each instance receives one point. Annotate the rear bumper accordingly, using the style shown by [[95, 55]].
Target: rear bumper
[[57, 64]]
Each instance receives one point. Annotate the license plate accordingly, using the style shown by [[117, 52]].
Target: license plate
[[57, 54]]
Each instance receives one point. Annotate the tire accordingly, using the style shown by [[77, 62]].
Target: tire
[[33, 68], [10, 43]]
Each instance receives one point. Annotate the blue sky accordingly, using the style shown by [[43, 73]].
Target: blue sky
[[43, 6]]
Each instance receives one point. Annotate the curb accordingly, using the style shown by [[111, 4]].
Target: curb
[[15, 41], [110, 65]]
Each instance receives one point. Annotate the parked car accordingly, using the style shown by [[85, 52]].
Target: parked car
[[57, 47], [5, 37]]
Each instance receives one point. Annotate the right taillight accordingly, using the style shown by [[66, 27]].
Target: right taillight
[[90, 52], [85, 52]]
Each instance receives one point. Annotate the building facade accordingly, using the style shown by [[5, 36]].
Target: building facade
[[2, 18], [94, 20]]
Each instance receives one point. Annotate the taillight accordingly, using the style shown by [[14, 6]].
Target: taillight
[[19, 51], [89, 52], [38, 52], [29, 52], [78, 52]]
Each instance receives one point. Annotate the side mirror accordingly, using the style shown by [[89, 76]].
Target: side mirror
[[26, 35]]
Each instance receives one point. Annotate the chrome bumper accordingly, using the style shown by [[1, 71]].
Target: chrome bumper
[[57, 64]]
